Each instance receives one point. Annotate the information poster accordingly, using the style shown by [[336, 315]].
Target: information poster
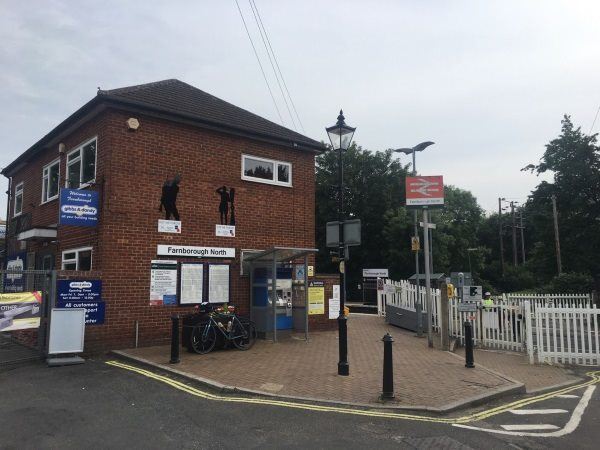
[[191, 284], [82, 294], [334, 308], [218, 283], [169, 226], [163, 283], [20, 311], [316, 297]]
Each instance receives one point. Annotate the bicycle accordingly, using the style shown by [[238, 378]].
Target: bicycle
[[240, 331]]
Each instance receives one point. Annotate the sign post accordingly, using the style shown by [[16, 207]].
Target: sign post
[[425, 192]]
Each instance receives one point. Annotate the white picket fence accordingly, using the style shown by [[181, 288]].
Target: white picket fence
[[403, 294], [559, 328], [567, 335]]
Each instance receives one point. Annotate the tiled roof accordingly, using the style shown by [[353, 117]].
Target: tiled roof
[[176, 97]]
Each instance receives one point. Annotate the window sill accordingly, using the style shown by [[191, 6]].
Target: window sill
[[50, 200], [269, 182]]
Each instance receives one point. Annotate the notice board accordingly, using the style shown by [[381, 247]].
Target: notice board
[[191, 283], [316, 297]]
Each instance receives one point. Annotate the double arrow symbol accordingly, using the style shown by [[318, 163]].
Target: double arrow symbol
[[424, 186]]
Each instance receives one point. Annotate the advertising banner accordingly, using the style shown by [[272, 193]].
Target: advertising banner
[[82, 294], [20, 311], [78, 207], [163, 282], [15, 282]]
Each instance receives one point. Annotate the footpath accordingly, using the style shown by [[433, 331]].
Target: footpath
[[424, 378]]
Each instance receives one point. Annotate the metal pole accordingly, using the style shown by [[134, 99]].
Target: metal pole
[[388, 368], [418, 306], [343, 366], [522, 237], [430, 252], [514, 234], [500, 234], [306, 298], [428, 298], [274, 296], [556, 236]]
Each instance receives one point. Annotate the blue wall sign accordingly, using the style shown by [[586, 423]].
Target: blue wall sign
[[82, 294], [78, 207], [15, 282]]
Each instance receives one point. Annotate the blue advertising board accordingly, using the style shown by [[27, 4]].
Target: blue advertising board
[[15, 282], [78, 207], [82, 294]]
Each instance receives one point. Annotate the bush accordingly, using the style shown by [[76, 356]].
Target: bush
[[570, 283]]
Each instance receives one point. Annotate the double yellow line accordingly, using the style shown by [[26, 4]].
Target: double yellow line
[[594, 379]]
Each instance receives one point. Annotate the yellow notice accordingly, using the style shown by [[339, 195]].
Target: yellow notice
[[316, 298]]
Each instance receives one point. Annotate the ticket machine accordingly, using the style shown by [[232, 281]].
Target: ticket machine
[[262, 299]]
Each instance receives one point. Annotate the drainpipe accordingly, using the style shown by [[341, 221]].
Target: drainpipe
[[7, 221]]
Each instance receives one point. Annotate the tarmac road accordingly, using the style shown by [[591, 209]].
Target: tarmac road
[[96, 405]]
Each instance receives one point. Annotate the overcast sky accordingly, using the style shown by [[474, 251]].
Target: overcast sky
[[487, 81]]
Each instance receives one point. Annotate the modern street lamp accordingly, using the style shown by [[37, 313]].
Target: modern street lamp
[[407, 151], [340, 136]]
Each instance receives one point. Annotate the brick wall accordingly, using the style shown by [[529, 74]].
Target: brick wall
[[131, 168]]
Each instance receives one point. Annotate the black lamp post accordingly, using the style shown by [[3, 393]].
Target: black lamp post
[[340, 136]]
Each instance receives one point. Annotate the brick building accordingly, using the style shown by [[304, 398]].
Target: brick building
[[124, 144]]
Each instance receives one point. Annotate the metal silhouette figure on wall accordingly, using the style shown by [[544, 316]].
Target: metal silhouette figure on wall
[[168, 199], [227, 198]]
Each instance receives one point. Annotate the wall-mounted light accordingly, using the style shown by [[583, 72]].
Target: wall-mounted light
[[132, 124]]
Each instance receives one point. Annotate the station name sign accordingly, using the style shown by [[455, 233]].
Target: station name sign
[[197, 252], [425, 191]]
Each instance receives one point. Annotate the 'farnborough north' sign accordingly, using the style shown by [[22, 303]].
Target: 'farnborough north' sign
[[197, 252]]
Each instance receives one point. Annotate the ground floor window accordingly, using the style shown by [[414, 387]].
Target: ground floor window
[[77, 259]]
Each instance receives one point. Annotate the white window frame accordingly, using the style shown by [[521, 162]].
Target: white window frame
[[275, 171], [79, 149], [19, 190], [76, 259], [46, 181]]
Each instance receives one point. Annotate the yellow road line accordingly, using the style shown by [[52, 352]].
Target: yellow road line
[[594, 379]]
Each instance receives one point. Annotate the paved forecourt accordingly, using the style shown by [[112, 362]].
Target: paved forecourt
[[424, 377]]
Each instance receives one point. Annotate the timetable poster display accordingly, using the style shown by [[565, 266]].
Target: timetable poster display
[[163, 283], [191, 283], [218, 283]]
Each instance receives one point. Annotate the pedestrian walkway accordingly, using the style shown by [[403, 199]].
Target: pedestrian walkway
[[424, 378]]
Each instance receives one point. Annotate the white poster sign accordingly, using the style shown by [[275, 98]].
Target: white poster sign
[[198, 252], [218, 283], [191, 284], [169, 226], [336, 291], [334, 308], [163, 283], [375, 273], [225, 230]]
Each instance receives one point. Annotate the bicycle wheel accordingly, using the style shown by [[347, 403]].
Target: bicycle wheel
[[243, 334], [203, 338]]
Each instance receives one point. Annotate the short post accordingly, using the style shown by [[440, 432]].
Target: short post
[[469, 363], [388, 369], [174, 339], [443, 315]]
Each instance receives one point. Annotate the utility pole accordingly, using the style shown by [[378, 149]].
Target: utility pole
[[514, 234], [522, 235], [500, 234], [556, 237]]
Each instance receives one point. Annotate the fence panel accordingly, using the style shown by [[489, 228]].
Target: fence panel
[[568, 335]]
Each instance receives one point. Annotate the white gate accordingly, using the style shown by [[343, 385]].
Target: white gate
[[568, 335]]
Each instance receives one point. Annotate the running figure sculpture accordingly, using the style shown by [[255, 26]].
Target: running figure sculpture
[[168, 198]]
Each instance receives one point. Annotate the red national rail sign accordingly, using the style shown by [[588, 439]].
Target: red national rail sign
[[425, 191]]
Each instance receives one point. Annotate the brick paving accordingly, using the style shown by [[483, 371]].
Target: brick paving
[[423, 376], [516, 366]]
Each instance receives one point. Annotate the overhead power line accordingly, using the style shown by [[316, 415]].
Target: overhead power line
[[262, 36], [259, 63], [277, 65]]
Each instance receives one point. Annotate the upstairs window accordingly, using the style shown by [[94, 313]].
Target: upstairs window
[[50, 176], [81, 165], [18, 205], [268, 171], [77, 259]]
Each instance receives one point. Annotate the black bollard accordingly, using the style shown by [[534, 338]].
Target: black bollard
[[388, 368], [469, 345], [174, 339]]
